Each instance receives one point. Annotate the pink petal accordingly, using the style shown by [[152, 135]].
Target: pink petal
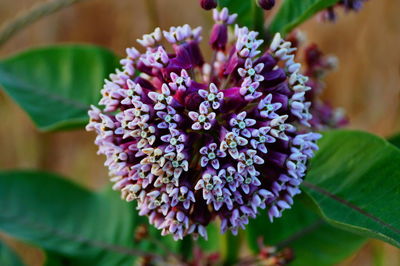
[[203, 93], [193, 115], [213, 88], [196, 126]]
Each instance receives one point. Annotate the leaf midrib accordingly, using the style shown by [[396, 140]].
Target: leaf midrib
[[351, 206], [299, 234], [44, 228]]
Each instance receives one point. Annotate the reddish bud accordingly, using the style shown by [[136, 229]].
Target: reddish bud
[[266, 4], [208, 4]]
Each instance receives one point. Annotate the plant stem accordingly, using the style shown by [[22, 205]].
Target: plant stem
[[25, 18], [226, 82], [231, 248], [214, 58], [187, 248]]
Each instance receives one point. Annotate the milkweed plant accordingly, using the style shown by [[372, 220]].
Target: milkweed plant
[[218, 141]]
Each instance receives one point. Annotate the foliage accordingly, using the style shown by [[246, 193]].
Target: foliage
[[56, 85], [354, 179], [65, 219], [8, 256], [249, 14], [313, 240], [346, 187], [350, 194], [293, 12], [395, 140]]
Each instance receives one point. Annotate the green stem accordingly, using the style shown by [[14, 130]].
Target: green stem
[[38, 11], [231, 248], [187, 248], [226, 82]]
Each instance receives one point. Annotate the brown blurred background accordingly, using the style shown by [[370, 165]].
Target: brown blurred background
[[366, 84]]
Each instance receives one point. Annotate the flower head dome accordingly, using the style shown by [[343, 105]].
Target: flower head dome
[[193, 142]]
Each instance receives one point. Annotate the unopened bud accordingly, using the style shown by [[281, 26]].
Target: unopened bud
[[266, 4], [141, 233], [208, 4]]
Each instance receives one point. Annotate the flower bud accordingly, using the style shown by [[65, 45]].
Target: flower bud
[[208, 4], [219, 37], [266, 4], [219, 34]]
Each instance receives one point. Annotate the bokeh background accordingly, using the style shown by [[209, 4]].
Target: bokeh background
[[366, 84]]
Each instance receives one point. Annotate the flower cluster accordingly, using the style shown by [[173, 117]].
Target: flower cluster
[[349, 5], [192, 142], [316, 66]]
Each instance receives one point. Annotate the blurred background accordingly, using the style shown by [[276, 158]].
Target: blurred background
[[366, 84]]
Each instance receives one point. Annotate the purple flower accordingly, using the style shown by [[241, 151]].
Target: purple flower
[[355, 5], [268, 108], [240, 124], [349, 5], [317, 66], [210, 154], [213, 97], [193, 142], [231, 178], [219, 33], [203, 119]]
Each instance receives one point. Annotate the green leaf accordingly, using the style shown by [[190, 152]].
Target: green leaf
[[249, 14], [56, 85], [8, 256], [186, 247], [294, 12], [231, 250], [314, 242], [65, 219], [354, 179], [55, 260], [215, 239], [395, 140]]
